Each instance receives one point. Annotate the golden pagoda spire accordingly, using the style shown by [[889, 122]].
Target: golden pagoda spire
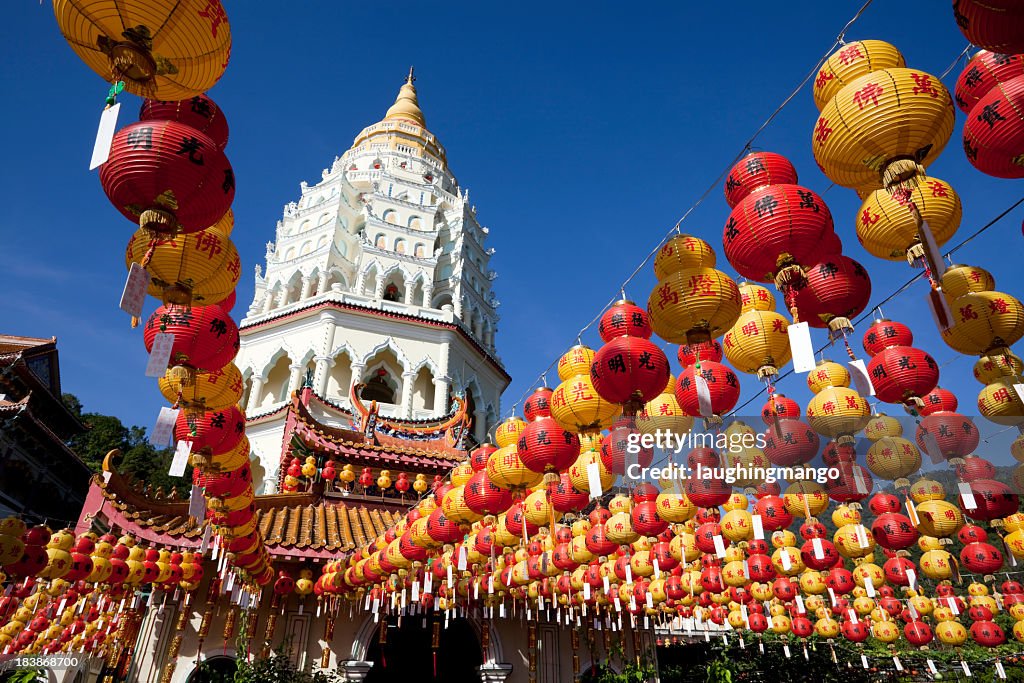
[[406, 105]]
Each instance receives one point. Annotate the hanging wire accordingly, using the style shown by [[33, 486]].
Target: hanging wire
[[676, 228]]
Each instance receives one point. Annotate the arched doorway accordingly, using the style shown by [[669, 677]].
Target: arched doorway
[[408, 654], [217, 669]]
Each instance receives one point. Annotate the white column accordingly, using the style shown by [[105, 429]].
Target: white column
[[307, 283], [255, 394], [408, 377], [323, 369], [428, 293], [268, 302], [295, 379], [378, 289], [357, 375], [321, 287], [282, 297], [409, 289], [441, 385]]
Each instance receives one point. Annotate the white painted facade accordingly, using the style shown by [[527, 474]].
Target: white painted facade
[[378, 272]]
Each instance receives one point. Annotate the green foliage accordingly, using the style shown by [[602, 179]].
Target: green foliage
[[139, 458], [277, 668], [26, 676], [719, 671]]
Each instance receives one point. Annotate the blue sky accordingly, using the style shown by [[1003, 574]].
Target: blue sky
[[582, 134]]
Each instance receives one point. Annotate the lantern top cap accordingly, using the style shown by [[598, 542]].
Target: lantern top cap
[[407, 105]]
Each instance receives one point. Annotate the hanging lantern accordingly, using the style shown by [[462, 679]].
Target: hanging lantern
[[217, 431], [200, 268], [994, 132], [167, 177], [888, 229], [995, 25], [664, 413], [954, 436], [692, 302], [506, 470], [849, 63], [168, 50], [883, 128], [629, 368], [575, 404], [780, 406], [831, 291], [901, 373], [790, 442], [205, 337], [723, 390], [199, 112], [835, 411], [758, 343], [983, 322], [893, 458], [757, 170], [544, 446], [203, 391]]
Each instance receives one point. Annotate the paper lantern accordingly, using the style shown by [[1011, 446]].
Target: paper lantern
[[683, 252], [164, 49], [629, 369], [882, 128], [723, 389], [205, 337], [853, 60], [991, 24], [790, 442], [903, 374], [545, 447], [754, 171], [758, 343], [832, 290], [484, 497], [198, 112], [893, 458], [200, 268], [994, 132], [207, 391], [664, 413], [578, 407], [984, 322], [887, 228]]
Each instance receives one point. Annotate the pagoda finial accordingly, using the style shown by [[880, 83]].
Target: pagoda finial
[[411, 78], [406, 105]]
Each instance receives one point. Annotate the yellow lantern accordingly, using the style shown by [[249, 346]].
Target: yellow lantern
[[663, 413], [939, 518], [1004, 364], [202, 391], [849, 63], [755, 298], [951, 633], [838, 412], [578, 472], [693, 305], [999, 402], [619, 529], [936, 564], [576, 405], [885, 631], [892, 458], [737, 525], [161, 49], [506, 469], [309, 467], [575, 361], [758, 343], [419, 485], [886, 227], [827, 627], [927, 489], [683, 252], [812, 583], [881, 426], [509, 431], [959, 280], [454, 507], [805, 498], [537, 508], [882, 128], [462, 473], [984, 322], [199, 268]]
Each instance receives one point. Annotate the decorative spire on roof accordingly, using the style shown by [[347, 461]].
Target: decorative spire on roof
[[406, 105]]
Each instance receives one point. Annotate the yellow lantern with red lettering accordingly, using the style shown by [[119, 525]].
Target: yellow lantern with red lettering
[[202, 391], [200, 268], [887, 228], [853, 60]]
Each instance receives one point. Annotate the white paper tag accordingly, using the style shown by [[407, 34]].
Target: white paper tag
[[953, 606], [785, 649], [967, 669], [134, 294], [932, 249], [800, 604], [1000, 671], [931, 447], [197, 503], [861, 379], [912, 610], [181, 453], [618, 603], [864, 661], [586, 590], [862, 536], [869, 586], [931, 666], [160, 354], [703, 395], [501, 610], [632, 602], [415, 591], [912, 513], [758, 527], [206, 539], [104, 136], [164, 427], [858, 478], [657, 569], [719, 546], [832, 596], [629, 573], [428, 581], [490, 585], [594, 479], [967, 495], [819, 549], [746, 570], [897, 662], [801, 347], [606, 584], [463, 558], [787, 564], [650, 600]]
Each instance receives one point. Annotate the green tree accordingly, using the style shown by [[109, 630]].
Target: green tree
[[138, 457]]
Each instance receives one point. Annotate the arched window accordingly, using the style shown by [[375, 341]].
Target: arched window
[[381, 241], [419, 251], [321, 242], [304, 226], [339, 380], [214, 670], [290, 254], [390, 216], [415, 222], [379, 388], [423, 390], [400, 246], [306, 248], [275, 389], [394, 288]]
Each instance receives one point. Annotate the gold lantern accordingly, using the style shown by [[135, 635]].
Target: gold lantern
[[199, 268]]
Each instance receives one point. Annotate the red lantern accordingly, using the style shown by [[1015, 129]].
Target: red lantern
[[624, 318], [723, 389], [538, 404], [855, 632], [629, 370], [974, 467], [994, 131], [820, 558], [996, 25], [484, 497], [597, 540], [205, 337], [902, 373], [401, 484], [918, 633], [832, 290], [790, 442], [215, 432], [778, 407], [708, 492], [992, 500], [896, 568], [987, 633], [757, 170], [646, 521], [883, 502], [773, 227], [954, 435], [564, 497], [168, 177], [982, 73], [544, 446], [938, 399], [441, 529], [884, 333], [617, 448], [689, 354], [199, 112], [773, 512], [981, 558], [893, 531], [478, 458], [366, 478], [853, 483]]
